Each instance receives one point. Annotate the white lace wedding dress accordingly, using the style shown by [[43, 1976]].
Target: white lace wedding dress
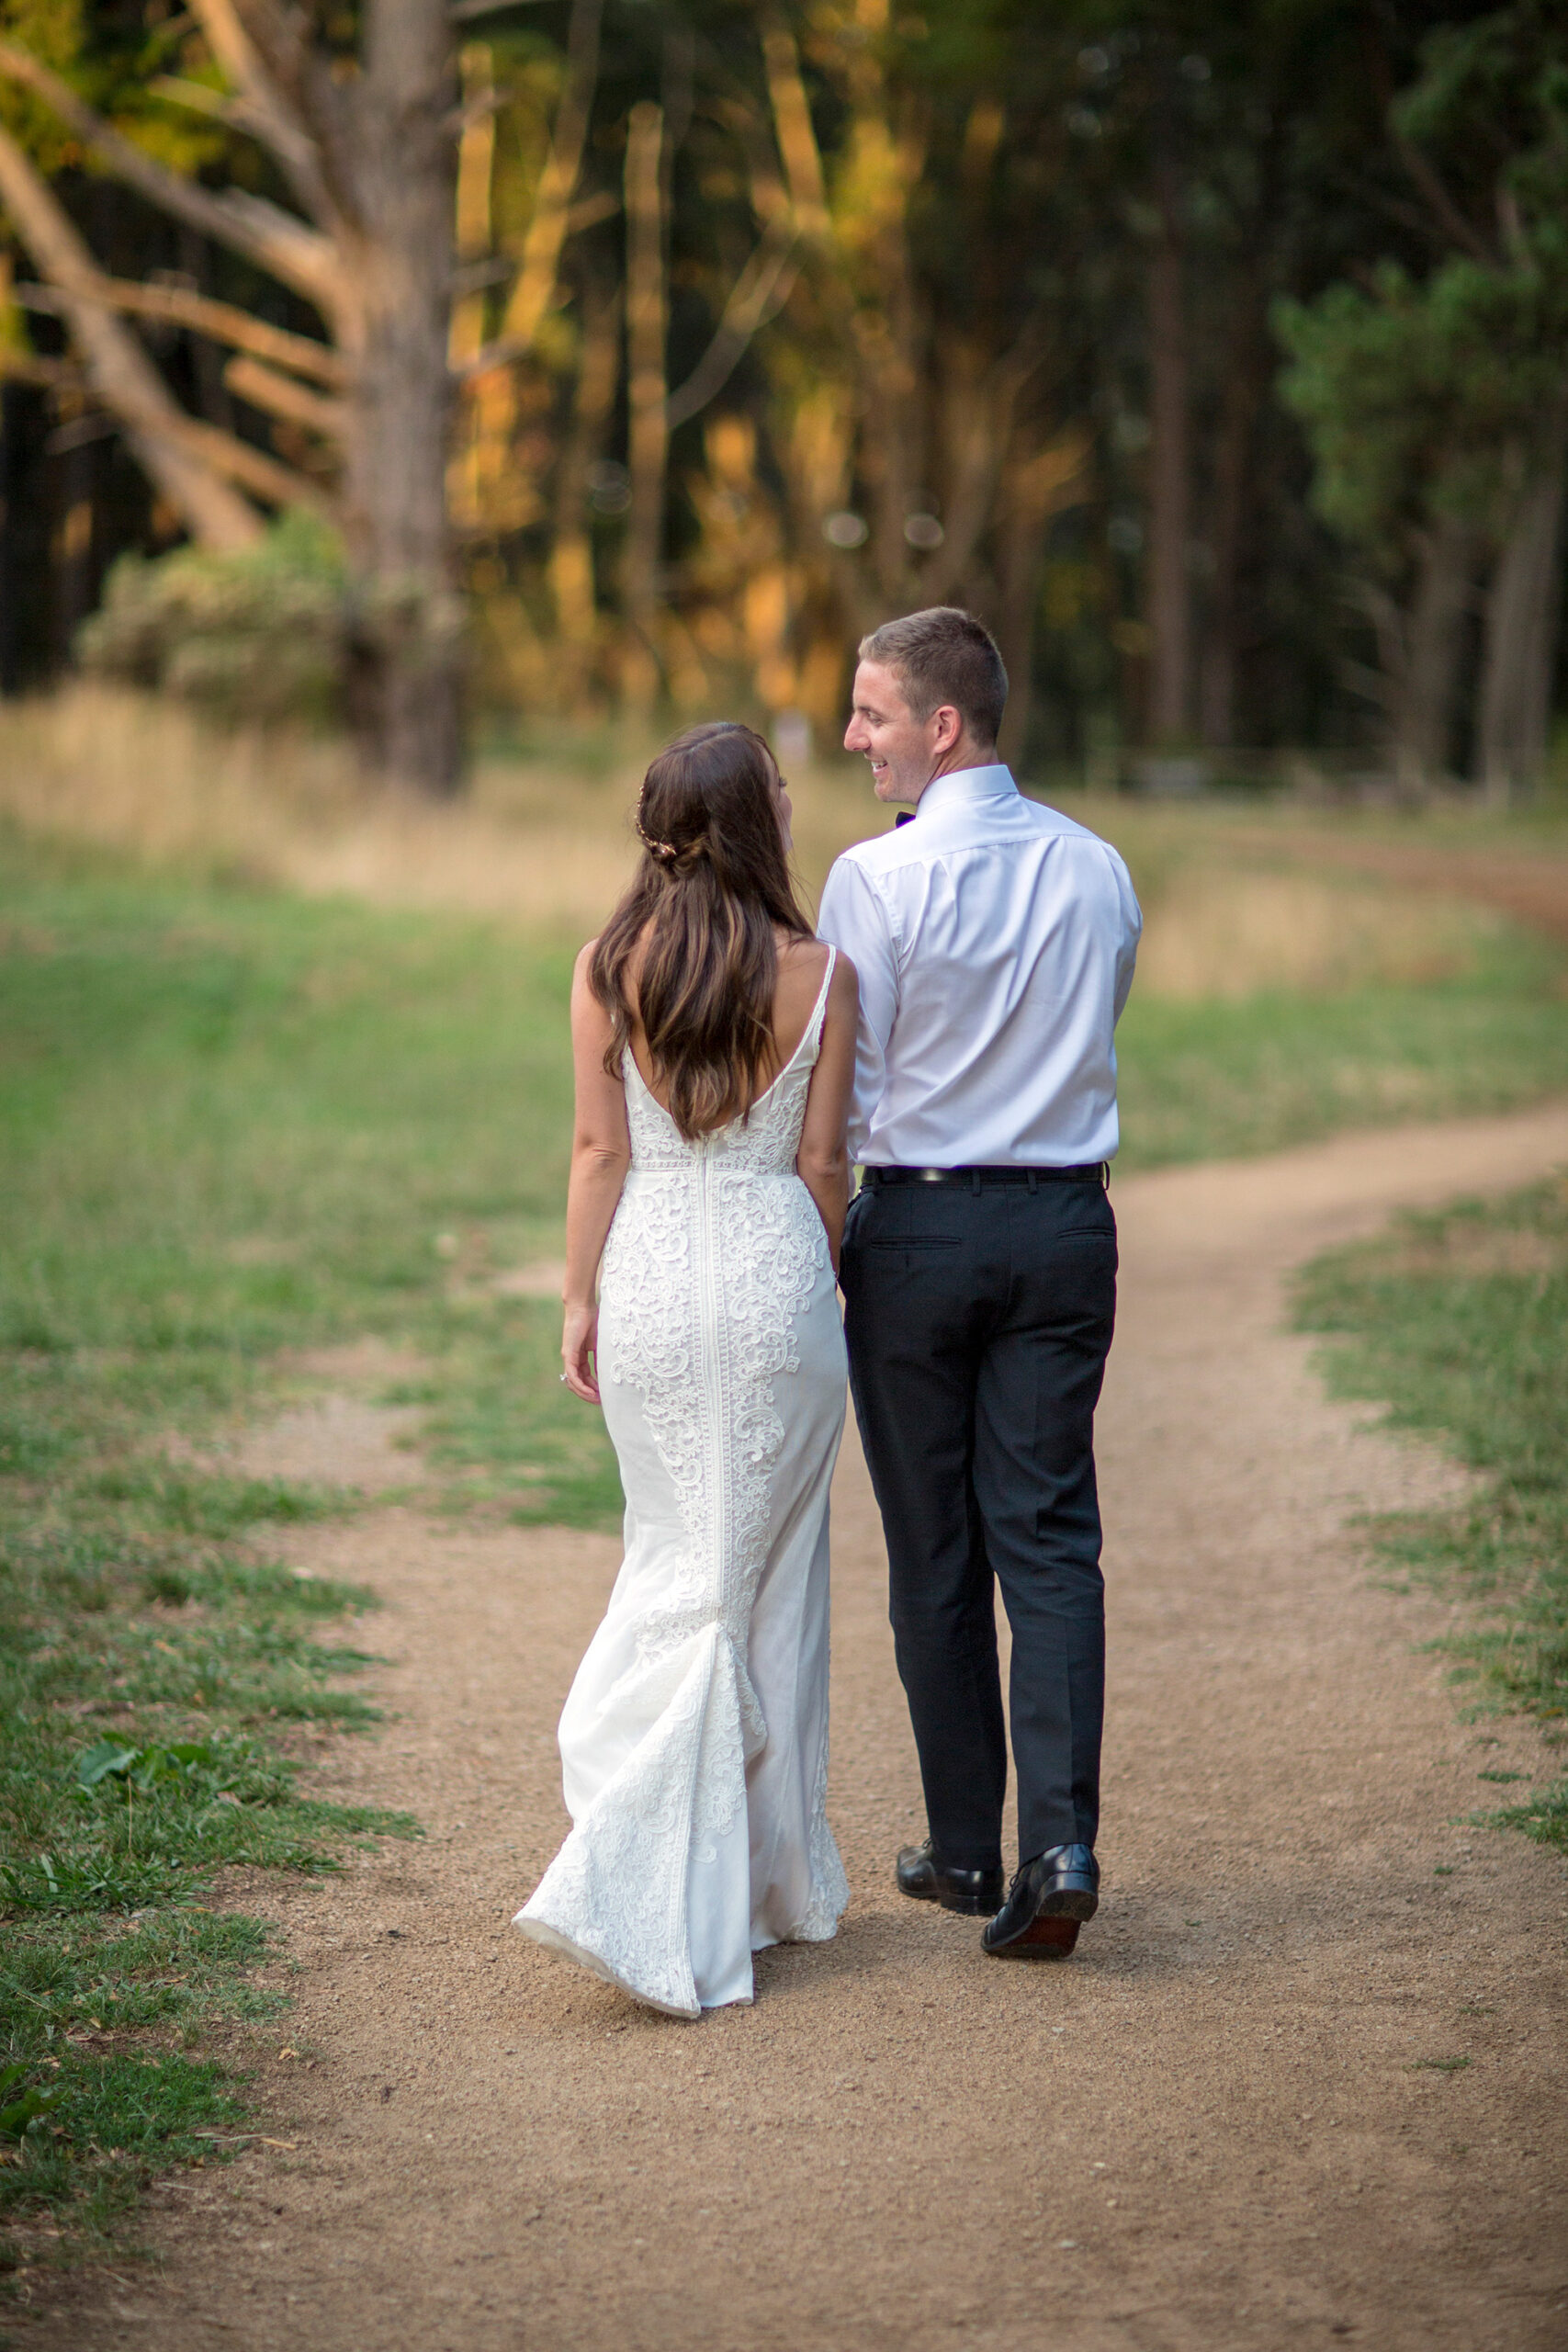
[[694, 1738]]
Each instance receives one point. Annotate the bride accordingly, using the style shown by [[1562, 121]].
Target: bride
[[714, 1041]]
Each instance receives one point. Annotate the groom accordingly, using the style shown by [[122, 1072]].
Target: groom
[[994, 941]]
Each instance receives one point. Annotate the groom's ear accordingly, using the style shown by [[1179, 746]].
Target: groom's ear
[[949, 720]]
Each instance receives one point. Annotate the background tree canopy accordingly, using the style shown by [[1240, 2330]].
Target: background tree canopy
[[633, 354]]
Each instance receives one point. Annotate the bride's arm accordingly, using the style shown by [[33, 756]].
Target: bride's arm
[[822, 1162], [601, 1154]]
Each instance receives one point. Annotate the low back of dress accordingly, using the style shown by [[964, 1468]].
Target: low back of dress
[[764, 1139]]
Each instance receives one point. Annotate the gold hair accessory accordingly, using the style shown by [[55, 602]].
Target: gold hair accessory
[[666, 851]]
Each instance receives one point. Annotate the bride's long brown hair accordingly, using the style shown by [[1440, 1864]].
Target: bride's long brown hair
[[712, 891]]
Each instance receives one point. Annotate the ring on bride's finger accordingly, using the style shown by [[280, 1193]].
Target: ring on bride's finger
[[563, 1380]]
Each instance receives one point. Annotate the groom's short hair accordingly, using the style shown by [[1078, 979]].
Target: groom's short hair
[[944, 655]]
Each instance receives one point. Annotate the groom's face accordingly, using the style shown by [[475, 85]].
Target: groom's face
[[904, 751]]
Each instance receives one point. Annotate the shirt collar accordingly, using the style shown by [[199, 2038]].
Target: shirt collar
[[960, 786]]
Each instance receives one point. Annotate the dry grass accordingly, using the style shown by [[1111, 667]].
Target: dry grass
[[1221, 934], [546, 843], [150, 780], [534, 840]]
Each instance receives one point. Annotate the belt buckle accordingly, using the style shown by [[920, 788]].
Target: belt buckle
[[931, 1175]]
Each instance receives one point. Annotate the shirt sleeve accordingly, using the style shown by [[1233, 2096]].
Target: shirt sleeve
[[1132, 932], [853, 919]]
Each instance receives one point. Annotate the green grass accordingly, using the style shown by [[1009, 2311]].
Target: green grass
[[91, 2017], [1459, 1322], [237, 1122], [1202, 1081], [230, 1126], [154, 1664]]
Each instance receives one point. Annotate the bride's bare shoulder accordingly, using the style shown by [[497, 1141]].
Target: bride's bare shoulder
[[801, 964], [631, 966], [804, 958]]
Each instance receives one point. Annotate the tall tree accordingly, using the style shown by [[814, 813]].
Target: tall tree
[[1436, 399], [909, 410], [1375, 382], [647, 439], [363, 141], [1483, 133], [1170, 457]]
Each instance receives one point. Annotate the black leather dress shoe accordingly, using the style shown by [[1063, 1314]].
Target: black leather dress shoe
[[977, 1892], [1046, 1904]]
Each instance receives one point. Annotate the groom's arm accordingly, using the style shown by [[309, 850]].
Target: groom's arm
[[854, 920], [1132, 926]]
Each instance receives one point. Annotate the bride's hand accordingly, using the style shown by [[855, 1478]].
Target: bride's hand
[[579, 1347]]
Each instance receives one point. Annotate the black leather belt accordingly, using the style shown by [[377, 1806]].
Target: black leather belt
[[1094, 1171]]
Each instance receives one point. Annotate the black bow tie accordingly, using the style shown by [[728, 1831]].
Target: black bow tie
[[905, 817]]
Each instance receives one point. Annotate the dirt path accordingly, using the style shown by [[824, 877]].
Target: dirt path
[[1239, 2118]]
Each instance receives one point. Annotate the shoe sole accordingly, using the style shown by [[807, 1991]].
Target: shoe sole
[[1046, 1939], [1054, 1931]]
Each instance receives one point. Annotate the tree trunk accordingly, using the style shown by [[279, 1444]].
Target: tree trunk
[[406, 687], [75, 484], [539, 262], [1170, 496], [371, 158], [895, 389], [572, 546], [476, 170], [1220, 659], [649, 438], [1426, 693], [1035, 488], [1522, 606], [1012, 624]]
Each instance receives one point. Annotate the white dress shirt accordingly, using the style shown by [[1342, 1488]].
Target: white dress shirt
[[995, 942]]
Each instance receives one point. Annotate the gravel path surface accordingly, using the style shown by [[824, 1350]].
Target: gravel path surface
[[1301, 2083]]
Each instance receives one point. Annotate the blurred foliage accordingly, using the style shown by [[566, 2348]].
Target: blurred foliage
[[946, 387], [258, 635], [255, 636], [52, 31], [1427, 392], [1409, 393], [113, 56]]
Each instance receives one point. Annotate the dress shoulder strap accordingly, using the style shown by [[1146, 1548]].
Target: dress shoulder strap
[[819, 1010]]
